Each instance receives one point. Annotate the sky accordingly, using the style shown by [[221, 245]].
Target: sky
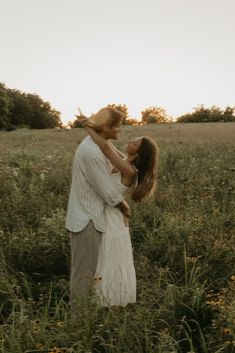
[[176, 54]]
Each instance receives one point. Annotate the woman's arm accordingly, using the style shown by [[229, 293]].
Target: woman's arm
[[121, 164], [120, 153]]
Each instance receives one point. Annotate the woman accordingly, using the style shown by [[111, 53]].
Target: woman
[[115, 279]]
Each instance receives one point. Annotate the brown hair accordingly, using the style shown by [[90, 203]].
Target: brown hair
[[106, 117], [146, 163]]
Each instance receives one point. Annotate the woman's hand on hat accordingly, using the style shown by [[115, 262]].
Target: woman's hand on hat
[[84, 121]]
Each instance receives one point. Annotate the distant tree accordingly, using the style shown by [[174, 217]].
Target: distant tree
[[229, 114], [19, 109], [43, 117], [213, 114], [132, 121], [75, 124], [154, 114], [5, 103], [122, 108]]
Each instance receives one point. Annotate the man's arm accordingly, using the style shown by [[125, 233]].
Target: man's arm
[[99, 179]]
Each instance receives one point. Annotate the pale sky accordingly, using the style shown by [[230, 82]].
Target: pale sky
[[170, 53]]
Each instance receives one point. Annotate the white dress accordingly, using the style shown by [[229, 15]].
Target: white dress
[[115, 279]]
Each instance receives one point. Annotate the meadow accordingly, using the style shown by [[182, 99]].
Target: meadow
[[183, 244]]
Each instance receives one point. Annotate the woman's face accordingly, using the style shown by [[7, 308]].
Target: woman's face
[[133, 146]]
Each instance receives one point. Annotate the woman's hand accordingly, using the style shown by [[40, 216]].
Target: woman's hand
[[124, 208], [126, 211], [125, 219], [84, 121]]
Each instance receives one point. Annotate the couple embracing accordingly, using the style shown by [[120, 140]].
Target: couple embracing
[[97, 216]]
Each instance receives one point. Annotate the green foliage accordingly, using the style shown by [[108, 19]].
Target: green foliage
[[18, 109], [204, 115], [122, 108], [4, 108], [75, 124], [153, 115]]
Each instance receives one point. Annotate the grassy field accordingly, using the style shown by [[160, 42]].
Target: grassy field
[[183, 243]]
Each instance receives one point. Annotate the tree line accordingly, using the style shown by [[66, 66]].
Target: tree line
[[158, 115], [19, 109], [151, 115], [209, 115]]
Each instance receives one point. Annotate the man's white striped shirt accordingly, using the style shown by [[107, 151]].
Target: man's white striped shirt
[[91, 189]]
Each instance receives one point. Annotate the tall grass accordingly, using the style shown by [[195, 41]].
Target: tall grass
[[183, 243]]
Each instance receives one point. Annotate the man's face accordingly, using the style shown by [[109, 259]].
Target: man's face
[[113, 133]]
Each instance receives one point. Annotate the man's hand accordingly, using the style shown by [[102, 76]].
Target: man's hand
[[124, 208]]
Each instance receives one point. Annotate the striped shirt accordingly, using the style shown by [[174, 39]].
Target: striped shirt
[[91, 189]]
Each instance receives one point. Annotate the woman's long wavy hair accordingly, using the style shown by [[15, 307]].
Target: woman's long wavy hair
[[146, 164]]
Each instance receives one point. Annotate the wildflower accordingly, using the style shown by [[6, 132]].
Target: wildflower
[[209, 302], [39, 346], [232, 278], [36, 330], [215, 302], [165, 331], [191, 258], [15, 289], [53, 350], [227, 331], [15, 172], [37, 322], [60, 324]]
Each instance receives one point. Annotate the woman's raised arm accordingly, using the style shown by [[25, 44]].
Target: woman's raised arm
[[122, 165]]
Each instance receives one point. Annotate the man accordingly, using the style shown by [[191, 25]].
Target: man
[[91, 190]]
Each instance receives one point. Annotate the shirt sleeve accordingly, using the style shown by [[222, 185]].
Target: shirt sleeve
[[98, 177]]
